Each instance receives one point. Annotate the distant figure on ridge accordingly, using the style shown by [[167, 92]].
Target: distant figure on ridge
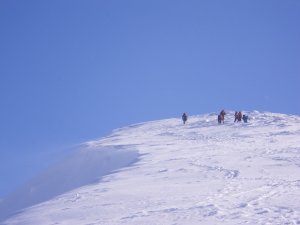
[[221, 117], [235, 116], [245, 118], [240, 116], [184, 118]]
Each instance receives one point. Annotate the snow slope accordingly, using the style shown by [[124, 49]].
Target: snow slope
[[198, 173]]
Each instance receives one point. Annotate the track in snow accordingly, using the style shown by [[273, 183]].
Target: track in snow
[[200, 173]]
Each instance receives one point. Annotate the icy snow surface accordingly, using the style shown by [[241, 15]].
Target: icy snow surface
[[167, 173]]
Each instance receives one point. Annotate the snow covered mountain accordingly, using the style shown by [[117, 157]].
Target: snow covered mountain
[[164, 172]]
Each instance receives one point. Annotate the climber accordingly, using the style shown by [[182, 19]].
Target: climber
[[245, 118], [184, 118]]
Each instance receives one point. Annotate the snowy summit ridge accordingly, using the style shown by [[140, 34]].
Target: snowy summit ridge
[[164, 172]]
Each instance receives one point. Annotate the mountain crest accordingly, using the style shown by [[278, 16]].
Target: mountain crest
[[167, 172]]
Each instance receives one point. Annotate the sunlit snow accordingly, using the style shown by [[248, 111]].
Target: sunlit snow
[[166, 173]]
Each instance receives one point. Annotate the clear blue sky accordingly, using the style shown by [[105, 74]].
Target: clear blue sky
[[71, 71]]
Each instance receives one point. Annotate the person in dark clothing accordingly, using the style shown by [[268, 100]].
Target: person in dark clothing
[[184, 118], [240, 116], [219, 119], [245, 118], [221, 116], [236, 116]]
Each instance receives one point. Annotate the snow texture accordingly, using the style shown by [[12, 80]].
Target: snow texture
[[164, 172]]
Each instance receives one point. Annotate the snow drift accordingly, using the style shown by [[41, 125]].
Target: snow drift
[[198, 173], [84, 167]]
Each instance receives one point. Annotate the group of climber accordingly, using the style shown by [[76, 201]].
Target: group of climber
[[238, 117]]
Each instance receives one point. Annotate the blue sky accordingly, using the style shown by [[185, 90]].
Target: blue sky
[[71, 71]]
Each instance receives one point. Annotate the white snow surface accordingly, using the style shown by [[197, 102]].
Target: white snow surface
[[166, 173]]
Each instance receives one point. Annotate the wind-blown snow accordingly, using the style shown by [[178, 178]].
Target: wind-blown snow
[[198, 173], [84, 167]]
